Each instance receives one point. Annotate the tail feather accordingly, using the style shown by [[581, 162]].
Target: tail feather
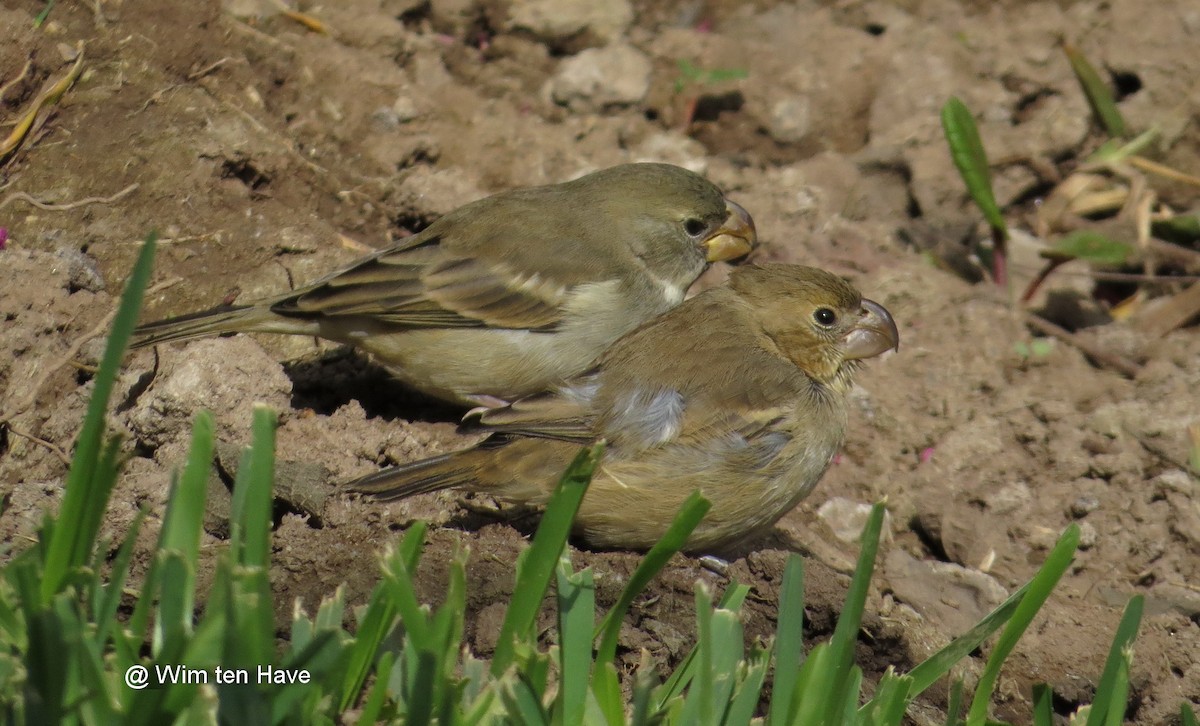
[[447, 471], [226, 319]]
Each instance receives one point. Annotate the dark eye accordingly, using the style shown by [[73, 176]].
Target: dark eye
[[694, 227], [824, 317]]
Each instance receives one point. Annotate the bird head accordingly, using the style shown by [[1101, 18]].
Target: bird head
[[676, 220], [816, 319]]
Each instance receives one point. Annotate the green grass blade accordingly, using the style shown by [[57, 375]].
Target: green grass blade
[[533, 577], [105, 613], [930, 670], [1043, 705], [812, 688], [522, 702], [412, 545], [1187, 717], [251, 513], [1118, 697], [607, 690], [184, 518], [174, 618], [728, 643], [1110, 679], [966, 150], [576, 618], [749, 692], [733, 598], [642, 699], [1040, 588], [373, 706], [845, 634], [1182, 229], [1099, 97], [676, 536], [789, 641], [890, 700], [953, 704], [702, 690], [71, 542], [394, 594], [1091, 247]]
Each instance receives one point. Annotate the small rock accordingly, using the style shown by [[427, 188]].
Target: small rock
[[1184, 520], [1175, 480], [675, 148], [82, 271], [1084, 506], [790, 119], [845, 517], [571, 23], [1009, 499], [430, 193], [385, 119], [1087, 536], [295, 241], [951, 595], [405, 109], [618, 75], [223, 375]]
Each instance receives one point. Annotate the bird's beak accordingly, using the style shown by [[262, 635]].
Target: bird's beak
[[874, 333], [733, 239]]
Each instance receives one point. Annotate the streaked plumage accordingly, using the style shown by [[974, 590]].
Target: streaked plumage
[[507, 295], [739, 392]]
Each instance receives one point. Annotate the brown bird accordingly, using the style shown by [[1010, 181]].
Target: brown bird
[[739, 392], [507, 295]]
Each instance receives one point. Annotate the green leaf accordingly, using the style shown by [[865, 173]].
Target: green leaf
[[88, 487], [1043, 705], [576, 617], [789, 641], [45, 13], [250, 517], [1039, 589], [1098, 95], [672, 541], [845, 634], [184, 518], [1187, 717], [954, 702], [890, 700], [372, 707], [966, 149], [105, 612], [1182, 229], [1091, 247], [533, 577], [1110, 680], [734, 597]]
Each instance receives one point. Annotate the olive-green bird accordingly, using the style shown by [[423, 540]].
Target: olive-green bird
[[740, 392], [507, 295]]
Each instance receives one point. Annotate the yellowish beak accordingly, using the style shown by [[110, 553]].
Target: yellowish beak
[[874, 333], [734, 239]]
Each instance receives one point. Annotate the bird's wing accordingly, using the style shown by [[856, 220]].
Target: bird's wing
[[426, 285], [563, 415]]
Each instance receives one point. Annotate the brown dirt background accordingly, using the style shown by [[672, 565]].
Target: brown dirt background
[[259, 148]]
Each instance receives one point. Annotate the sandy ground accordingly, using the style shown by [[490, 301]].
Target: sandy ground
[[264, 153]]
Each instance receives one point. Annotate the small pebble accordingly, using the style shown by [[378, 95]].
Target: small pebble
[[1084, 506], [1087, 536]]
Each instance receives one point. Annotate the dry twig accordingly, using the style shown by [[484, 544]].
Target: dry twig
[[1108, 360], [49, 207]]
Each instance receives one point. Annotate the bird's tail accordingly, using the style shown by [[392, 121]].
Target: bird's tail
[[447, 471], [225, 319]]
